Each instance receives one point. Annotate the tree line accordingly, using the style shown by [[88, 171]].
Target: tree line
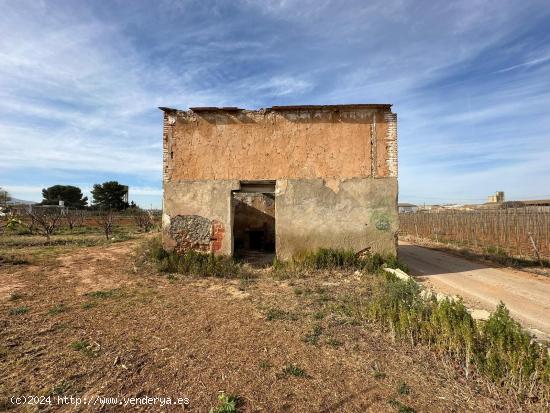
[[108, 195]]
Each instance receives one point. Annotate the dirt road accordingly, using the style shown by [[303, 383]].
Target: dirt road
[[526, 295]]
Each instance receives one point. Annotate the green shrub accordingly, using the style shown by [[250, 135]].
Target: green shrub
[[331, 259], [314, 335], [510, 355], [227, 403], [328, 258], [293, 370], [195, 263], [499, 348], [19, 310], [102, 294], [84, 347], [57, 309]]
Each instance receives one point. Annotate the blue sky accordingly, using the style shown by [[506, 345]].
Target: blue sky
[[80, 83]]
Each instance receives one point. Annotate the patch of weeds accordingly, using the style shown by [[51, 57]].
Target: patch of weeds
[[57, 309], [331, 341], [400, 407], [323, 297], [298, 291], [79, 345], [84, 347], [499, 348], [59, 389], [193, 263], [293, 370], [19, 310], [313, 336], [403, 388], [318, 315], [227, 403], [273, 314], [102, 295], [62, 327], [14, 296], [13, 259], [89, 304], [330, 258], [340, 308]]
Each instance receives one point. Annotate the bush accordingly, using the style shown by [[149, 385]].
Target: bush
[[195, 263], [331, 259], [498, 348], [227, 403]]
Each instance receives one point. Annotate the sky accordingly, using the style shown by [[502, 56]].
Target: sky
[[81, 83]]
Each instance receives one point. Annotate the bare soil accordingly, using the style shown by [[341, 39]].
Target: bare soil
[[149, 334]]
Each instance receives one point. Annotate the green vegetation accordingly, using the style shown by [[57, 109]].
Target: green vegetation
[[400, 407], [71, 195], [273, 314], [110, 196], [331, 341], [79, 345], [331, 259], [195, 263], [13, 259], [57, 309], [227, 403], [19, 310], [89, 304], [314, 335], [293, 370], [102, 295], [499, 348], [403, 388], [84, 347]]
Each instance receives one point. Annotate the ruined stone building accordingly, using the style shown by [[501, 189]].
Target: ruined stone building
[[286, 179]]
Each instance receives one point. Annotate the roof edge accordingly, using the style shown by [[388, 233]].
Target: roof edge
[[386, 106]]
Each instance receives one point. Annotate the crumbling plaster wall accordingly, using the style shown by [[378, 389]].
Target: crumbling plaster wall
[[255, 145], [209, 199], [336, 173], [355, 213]]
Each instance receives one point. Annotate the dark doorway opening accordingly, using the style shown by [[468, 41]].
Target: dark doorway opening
[[254, 222]]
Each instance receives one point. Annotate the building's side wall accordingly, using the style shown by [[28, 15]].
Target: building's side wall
[[336, 175], [198, 215], [353, 214]]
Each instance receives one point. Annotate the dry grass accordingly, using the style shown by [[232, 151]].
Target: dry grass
[[295, 345]]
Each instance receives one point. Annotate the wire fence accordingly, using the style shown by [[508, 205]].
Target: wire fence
[[517, 232]]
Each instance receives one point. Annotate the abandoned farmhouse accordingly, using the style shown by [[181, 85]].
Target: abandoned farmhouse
[[283, 180]]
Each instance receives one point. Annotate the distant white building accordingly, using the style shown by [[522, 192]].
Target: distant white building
[[497, 198], [405, 208]]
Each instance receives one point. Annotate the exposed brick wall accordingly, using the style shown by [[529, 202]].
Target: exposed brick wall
[[391, 143], [167, 144], [218, 233]]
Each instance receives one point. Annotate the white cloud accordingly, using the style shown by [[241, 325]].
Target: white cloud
[[79, 87]]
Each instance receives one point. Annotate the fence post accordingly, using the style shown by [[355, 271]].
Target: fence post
[[535, 248]]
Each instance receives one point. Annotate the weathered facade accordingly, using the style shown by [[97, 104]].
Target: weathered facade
[[292, 178]]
